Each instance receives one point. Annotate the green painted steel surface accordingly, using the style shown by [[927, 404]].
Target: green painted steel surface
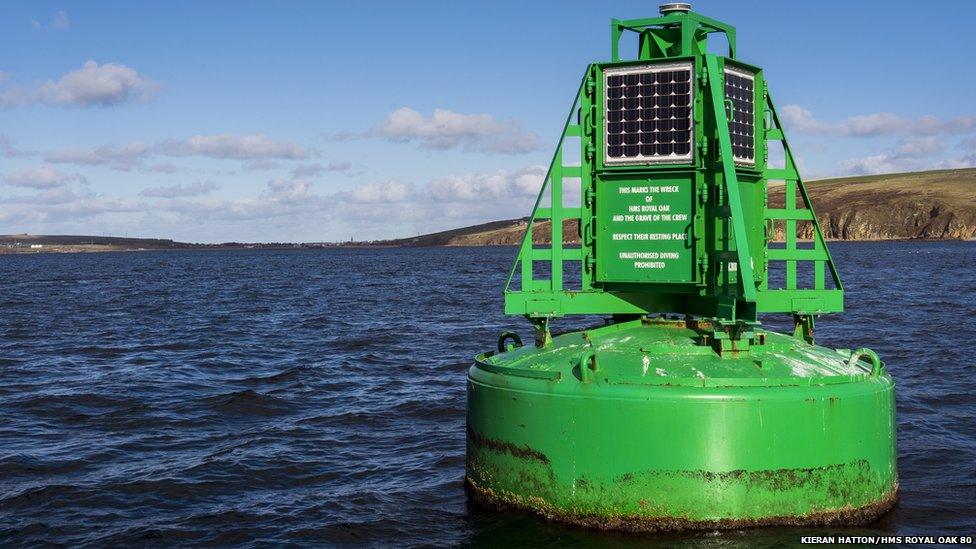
[[708, 421], [728, 238], [638, 426], [621, 256]]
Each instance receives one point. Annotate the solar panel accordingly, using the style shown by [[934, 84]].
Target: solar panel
[[649, 114], [739, 108]]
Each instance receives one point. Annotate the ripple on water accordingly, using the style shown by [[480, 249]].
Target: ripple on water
[[318, 397]]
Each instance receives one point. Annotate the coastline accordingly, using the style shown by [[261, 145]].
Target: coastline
[[96, 249]]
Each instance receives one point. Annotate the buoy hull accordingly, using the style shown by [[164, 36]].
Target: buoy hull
[[617, 453]]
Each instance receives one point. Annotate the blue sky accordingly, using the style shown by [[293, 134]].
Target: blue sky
[[310, 121]]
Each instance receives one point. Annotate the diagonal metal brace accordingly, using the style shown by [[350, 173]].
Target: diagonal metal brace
[[731, 182]]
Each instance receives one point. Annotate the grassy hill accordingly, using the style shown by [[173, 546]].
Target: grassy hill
[[919, 205], [933, 205], [34, 243], [14, 243]]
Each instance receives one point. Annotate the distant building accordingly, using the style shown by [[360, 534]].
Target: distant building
[[36, 246]]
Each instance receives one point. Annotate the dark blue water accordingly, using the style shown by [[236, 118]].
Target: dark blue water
[[317, 397]]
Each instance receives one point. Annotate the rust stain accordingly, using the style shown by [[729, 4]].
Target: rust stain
[[524, 451], [846, 515], [779, 479]]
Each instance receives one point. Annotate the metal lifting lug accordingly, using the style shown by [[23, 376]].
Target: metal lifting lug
[[587, 123]]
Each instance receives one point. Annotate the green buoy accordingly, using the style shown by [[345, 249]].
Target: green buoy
[[680, 410]]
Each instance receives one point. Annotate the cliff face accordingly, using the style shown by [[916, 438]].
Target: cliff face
[[928, 205], [931, 205]]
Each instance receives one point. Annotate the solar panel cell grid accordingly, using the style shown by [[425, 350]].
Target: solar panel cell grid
[[739, 108], [649, 114]]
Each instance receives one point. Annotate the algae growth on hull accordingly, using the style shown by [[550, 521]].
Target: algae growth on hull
[[790, 433]]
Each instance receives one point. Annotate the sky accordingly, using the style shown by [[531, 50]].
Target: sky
[[324, 121]]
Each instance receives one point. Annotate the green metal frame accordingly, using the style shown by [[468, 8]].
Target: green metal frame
[[730, 218], [759, 428], [670, 35]]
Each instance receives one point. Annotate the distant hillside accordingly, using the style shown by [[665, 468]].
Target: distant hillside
[[76, 243], [931, 205], [496, 233], [32, 243], [920, 205]]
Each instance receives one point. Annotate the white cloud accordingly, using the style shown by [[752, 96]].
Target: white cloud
[[92, 85], [919, 141], [909, 155], [287, 190], [797, 118], [341, 136], [235, 146], [316, 169], [260, 152], [16, 96], [97, 85], [264, 209], [870, 165], [197, 188], [47, 197], [119, 157], [969, 149], [283, 204], [919, 147], [376, 193], [42, 177], [447, 129], [165, 167], [877, 124], [502, 184], [282, 199], [260, 165], [376, 209], [84, 207], [449, 201], [9, 150], [59, 22], [474, 193], [260, 148], [308, 170]]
